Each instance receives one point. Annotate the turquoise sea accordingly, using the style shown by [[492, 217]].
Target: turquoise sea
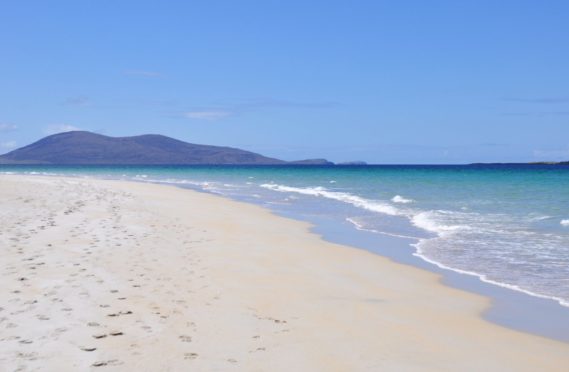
[[506, 224]]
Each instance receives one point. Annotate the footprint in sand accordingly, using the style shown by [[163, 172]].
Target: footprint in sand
[[102, 363]]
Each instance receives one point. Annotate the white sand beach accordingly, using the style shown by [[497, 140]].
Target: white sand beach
[[118, 276]]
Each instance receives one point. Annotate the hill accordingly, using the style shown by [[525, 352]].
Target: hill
[[81, 147]]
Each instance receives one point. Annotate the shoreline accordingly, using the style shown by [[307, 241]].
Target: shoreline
[[343, 308], [509, 307], [299, 216]]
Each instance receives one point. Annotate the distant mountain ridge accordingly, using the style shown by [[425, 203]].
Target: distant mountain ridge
[[82, 148]]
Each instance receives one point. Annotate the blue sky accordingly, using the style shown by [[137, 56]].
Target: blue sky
[[381, 81]]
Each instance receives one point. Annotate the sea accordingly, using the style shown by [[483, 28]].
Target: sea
[[507, 225]]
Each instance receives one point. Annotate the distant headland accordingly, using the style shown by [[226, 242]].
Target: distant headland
[[83, 148]]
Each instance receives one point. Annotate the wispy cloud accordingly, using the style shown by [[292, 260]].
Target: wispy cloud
[[8, 145], [552, 154], [279, 103], [127, 104], [59, 128], [221, 111], [80, 101], [143, 73], [211, 115], [5, 127]]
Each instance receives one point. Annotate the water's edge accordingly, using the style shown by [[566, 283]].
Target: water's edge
[[509, 308]]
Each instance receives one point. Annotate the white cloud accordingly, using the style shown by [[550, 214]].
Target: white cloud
[[59, 128], [4, 127], [9, 145], [207, 115]]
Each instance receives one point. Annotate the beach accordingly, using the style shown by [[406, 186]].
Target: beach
[[114, 275]]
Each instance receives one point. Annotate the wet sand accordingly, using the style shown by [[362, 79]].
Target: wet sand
[[108, 275]]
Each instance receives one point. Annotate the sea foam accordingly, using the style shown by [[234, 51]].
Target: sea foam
[[360, 226], [483, 277], [431, 221], [357, 201], [400, 199]]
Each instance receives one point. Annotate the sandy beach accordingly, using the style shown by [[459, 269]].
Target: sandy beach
[[119, 276]]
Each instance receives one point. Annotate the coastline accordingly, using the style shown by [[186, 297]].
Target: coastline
[[508, 308], [314, 305]]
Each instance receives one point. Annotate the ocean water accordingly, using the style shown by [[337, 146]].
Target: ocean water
[[506, 224]]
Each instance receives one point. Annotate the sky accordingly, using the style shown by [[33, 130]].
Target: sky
[[380, 81]]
